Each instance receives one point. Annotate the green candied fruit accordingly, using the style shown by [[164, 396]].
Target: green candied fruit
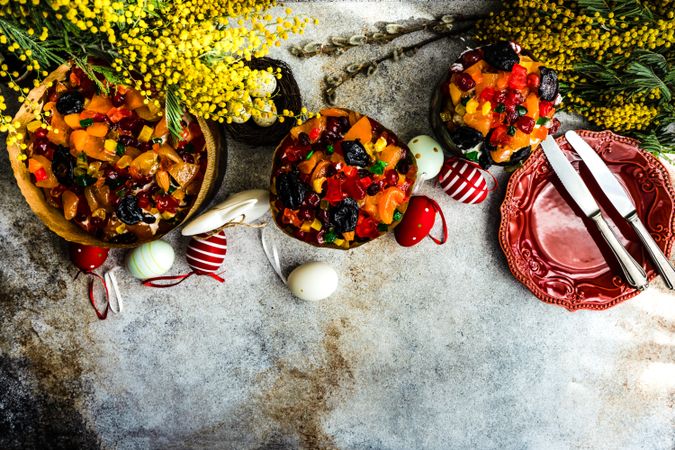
[[330, 236], [397, 215], [382, 227]]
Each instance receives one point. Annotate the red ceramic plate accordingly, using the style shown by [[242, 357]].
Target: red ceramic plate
[[557, 252]]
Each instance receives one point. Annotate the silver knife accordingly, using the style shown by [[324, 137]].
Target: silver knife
[[618, 196], [575, 186]]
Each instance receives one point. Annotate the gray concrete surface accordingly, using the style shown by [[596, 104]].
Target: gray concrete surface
[[430, 347]]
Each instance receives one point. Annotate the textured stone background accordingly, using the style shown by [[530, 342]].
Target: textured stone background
[[431, 347]]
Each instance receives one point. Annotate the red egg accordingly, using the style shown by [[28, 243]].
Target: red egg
[[87, 257], [205, 254], [463, 181], [418, 221]]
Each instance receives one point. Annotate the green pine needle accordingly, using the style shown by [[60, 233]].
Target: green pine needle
[[174, 111]]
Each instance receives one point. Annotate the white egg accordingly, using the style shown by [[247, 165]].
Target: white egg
[[261, 84], [151, 259], [239, 107], [429, 156], [313, 281], [268, 115]]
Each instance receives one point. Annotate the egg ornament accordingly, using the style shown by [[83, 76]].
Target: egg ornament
[[463, 181], [261, 84], [205, 254], [313, 281], [429, 156], [418, 221], [151, 259], [87, 257], [268, 112]]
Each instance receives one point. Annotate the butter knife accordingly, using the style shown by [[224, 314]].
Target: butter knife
[[622, 202], [577, 189]]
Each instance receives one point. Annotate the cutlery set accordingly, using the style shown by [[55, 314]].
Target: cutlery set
[[574, 185]]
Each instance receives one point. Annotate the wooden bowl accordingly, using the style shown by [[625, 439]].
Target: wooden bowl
[[53, 218]]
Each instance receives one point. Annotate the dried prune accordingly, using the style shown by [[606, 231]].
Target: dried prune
[[70, 102], [466, 137], [344, 215], [501, 56], [355, 154], [548, 87], [520, 155], [128, 210], [291, 190], [63, 165]]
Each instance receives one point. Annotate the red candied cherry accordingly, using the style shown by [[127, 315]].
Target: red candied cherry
[[518, 77], [545, 108], [513, 98], [525, 124], [166, 203], [314, 134], [391, 177], [464, 81], [499, 136], [488, 94], [143, 200], [40, 133], [472, 57], [555, 126], [533, 81]]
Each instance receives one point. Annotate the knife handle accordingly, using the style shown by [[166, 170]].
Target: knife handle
[[635, 275], [660, 261]]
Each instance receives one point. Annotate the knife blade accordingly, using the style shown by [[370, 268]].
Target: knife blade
[[622, 202], [577, 189], [605, 178]]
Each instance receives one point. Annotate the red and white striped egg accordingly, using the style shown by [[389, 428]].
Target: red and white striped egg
[[205, 254], [463, 181]]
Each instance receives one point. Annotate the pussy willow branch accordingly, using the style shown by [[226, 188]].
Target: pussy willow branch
[[368, 68], [386, 33]]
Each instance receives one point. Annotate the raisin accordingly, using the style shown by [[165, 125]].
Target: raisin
[[44, 147], [313, 200], [63, 165], [464, 81], [306, 214], [118, 99], [70, 102], [548, 87], [466, 137], [323, 216], [303, 139], [471, 57], [355, 154], [128, 210], [501, 56], [373, 189], [131, 125], [344, 215], [128, 141], [291, 190]]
